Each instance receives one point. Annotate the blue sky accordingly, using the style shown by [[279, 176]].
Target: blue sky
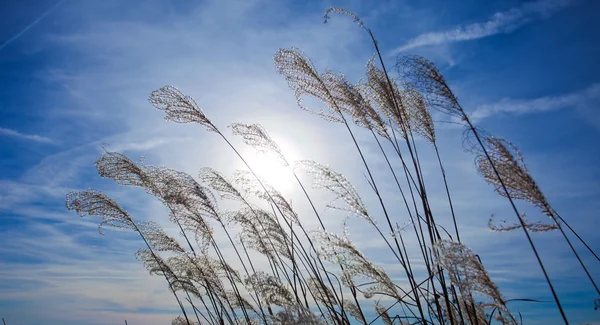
[[75, 75]]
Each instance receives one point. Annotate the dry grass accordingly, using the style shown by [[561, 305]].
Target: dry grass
[[320, 277]]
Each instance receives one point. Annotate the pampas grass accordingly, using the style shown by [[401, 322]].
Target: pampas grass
[[321, 277]]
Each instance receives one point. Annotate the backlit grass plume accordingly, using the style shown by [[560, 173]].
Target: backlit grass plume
[[179, 108], [239, 252]]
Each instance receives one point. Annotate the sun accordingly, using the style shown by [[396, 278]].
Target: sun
[[269, 168]]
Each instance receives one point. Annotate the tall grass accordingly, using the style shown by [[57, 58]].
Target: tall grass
[[319, 276]]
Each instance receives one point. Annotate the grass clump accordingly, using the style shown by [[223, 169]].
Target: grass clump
[[319, 276]]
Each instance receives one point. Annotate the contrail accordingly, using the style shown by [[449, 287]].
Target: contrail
[[19, 34]]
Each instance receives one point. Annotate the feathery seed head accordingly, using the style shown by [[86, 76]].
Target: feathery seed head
[[179, 108], [251, 184], [390, 101], [382, 311], [194, 223], [344, 12], [510, 165], [271, 289], [121, 169], [352, 99], [422, 74], [182, 321], [535, 226], [256, 136], [260, 231], [336, 183], [304, 79], [175, 187], [420, 116], [468, 274], [155, 264], [341, 250], [158, 238], [353, 311], [297, 315], [322, 293], [96, 203], [216, 181], [238, 301]]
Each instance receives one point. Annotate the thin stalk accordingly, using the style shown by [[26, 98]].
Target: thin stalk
[[420, 234], [323, 228], [398, 301], [231, 279], [577, 256], [164, 273], [407, 263], [523, 225], [209, 287], [431, 222], [575, 233], [197, 311], [437, 153], [257, 299], [275, 252], [265, 189], [254, 271]]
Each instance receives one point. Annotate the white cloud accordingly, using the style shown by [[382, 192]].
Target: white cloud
[[19, 135], [214, 52], [581, 99], [499, 23], [219, 56]]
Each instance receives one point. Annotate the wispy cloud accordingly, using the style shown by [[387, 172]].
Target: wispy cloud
[[30, 137], [499, 23], [28, 27], [581, 99], [219, 54]]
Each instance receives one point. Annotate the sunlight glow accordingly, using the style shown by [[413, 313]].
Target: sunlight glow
[[267, 166]]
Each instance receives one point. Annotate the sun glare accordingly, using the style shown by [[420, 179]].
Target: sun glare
[[268, 167]]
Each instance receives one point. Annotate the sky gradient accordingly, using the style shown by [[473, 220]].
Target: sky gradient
[[75, 76]]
